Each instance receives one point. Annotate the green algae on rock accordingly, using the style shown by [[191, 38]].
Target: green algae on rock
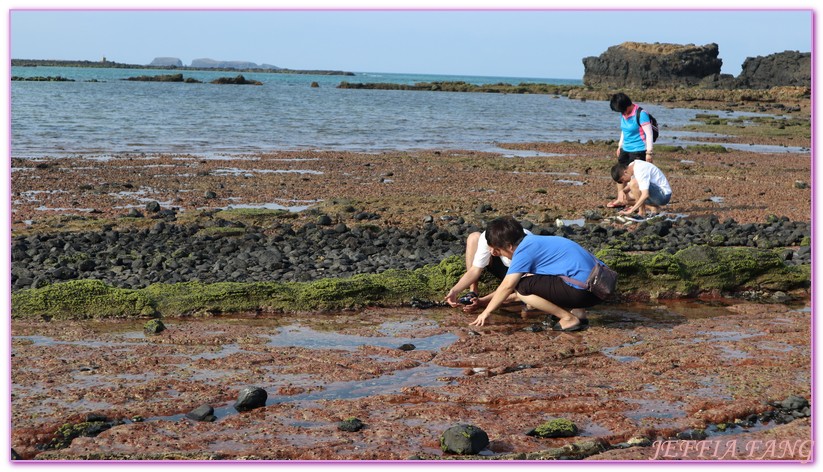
[[698, 269], [686, 273], [81, 299], [556, 428], [68, 432]]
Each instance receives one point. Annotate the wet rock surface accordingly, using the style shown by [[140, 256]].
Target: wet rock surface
[[737, 370], [202, 413], [464, 439], [351, 425], [250, 398], [134, 220]]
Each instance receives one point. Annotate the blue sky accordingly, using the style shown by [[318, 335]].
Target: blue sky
[[532, 43]]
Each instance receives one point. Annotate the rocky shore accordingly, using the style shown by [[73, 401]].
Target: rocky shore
[[134, 221], [687, 374], [315, 276], [230, 251]]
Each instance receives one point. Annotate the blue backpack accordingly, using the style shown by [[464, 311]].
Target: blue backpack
[[655, 131]]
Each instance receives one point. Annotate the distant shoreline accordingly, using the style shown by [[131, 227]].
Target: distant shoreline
[[118, 65]]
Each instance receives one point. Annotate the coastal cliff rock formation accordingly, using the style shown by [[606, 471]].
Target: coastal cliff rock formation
[[206, 63], [638, 65], [788, 68], [166, 62], [649, 65]]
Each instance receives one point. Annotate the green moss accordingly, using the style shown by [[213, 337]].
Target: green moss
[[154, 326], [708, 148], [222, 231], [704, 268], [255, 216], [195, 298], [622, 262], [663, 266], [68, 432], [556, 428], [688, 272], [81, 299], [667, 148]]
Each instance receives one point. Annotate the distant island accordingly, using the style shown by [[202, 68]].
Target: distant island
[[172, 63]]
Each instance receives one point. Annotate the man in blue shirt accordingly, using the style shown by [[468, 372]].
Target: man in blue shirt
[[536, 273]]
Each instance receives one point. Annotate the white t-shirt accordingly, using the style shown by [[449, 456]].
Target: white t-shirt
[[646, 173], [484, 255]]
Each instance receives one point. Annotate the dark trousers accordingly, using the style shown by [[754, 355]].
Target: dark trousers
[[557, 291], [627, 157]]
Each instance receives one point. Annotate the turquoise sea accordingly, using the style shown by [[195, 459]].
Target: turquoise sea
[[100, 113]]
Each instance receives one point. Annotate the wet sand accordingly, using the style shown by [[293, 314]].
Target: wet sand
[[640, 370]]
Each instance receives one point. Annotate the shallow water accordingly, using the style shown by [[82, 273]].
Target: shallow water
[[177, 366], [301, 336], [114, 116]]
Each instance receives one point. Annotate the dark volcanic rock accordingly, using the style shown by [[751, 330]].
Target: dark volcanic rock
[[157, 78], [464, 439], [651, 65], [202, 413], [239, 80], [788, 68], [224, 251], [350, 425], [251, 398]]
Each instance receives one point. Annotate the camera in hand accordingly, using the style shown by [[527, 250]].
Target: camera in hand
[[467, 298]]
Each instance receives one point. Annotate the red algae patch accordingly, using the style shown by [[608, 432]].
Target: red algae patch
[[639, 370], [569, 180]]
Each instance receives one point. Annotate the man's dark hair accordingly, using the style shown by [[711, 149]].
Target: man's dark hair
[[504, 231], [617, 171], [620, 102]]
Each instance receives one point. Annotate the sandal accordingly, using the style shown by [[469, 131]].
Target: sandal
[[578, 327], [616, 204]]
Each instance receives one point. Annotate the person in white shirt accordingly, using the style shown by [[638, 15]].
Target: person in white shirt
[[479, 257], [646, 184]]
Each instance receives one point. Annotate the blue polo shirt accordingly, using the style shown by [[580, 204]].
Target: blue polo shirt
[[552, 255], [634, 139]]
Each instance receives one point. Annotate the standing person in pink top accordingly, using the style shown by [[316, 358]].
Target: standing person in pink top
[[636, 141]]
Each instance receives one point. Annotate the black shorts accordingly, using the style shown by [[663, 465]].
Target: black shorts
[[497, 268], [557, 291], [627, 157]]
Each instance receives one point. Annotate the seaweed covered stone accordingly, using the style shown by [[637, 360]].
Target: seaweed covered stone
[[68, 432], [154, 326], [464, 439], [556, 428], [350, 425]]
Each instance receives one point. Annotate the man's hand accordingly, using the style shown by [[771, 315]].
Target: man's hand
[[481, 320], [473, 306], [451, 299]]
